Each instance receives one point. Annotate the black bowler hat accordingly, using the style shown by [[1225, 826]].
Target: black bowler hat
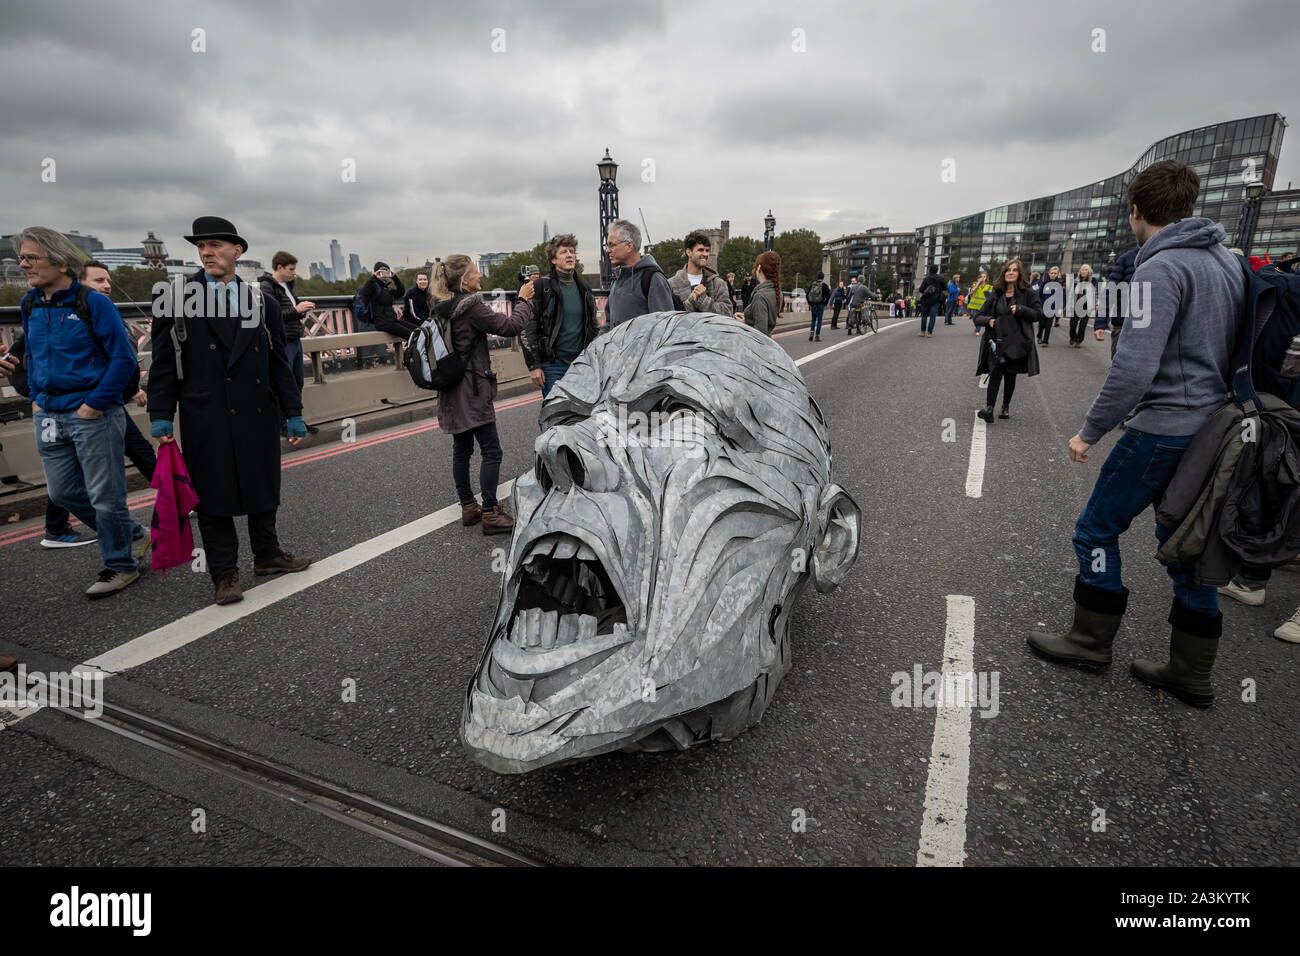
[[214, 227]]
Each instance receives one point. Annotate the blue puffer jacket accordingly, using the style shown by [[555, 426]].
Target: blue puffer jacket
[[1121, 271], [70, 363]]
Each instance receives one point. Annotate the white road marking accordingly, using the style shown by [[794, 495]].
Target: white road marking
[[847, 342], [943, 826], [200, 623], [204, 621], [975, 470]]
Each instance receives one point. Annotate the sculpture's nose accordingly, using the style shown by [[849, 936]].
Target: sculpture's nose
[[561, 459]]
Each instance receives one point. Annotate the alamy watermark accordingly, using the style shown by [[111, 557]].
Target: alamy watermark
[[977, 690], [63, 690], [1075, 299], [217, 300]]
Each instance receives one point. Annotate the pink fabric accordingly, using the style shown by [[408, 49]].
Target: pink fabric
[[173, 542]]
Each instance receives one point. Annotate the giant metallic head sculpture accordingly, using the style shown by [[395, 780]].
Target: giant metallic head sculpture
[[680, 503]]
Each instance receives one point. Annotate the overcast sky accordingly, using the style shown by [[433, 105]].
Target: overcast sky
[[459, 148]]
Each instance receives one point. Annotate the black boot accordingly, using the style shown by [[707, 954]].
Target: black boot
[[1097, 613], [1006, 412], [986, 413], [1193, 644]]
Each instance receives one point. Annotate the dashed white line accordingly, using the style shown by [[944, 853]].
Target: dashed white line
[[975, 470], [943, 825]]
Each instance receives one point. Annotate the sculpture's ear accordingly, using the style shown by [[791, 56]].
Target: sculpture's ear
[[839, 525]]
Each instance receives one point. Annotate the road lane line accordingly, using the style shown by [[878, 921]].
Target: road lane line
[[943, 825], [847, 342], [975, 470], [191, 627]]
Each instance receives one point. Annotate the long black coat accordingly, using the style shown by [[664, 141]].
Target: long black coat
[[1029, 309], [230, 399]]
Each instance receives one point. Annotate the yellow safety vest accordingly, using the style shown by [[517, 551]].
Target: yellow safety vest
[[978, 296]]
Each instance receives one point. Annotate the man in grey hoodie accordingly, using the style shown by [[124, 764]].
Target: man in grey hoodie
[[1169, 374], [630, 296]]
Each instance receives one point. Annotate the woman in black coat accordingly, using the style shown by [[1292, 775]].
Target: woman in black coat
[[1008, 317]]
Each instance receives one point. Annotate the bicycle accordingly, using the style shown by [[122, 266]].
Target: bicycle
[[875, 319]]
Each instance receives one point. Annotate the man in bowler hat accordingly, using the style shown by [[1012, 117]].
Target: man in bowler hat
[[232, 382]]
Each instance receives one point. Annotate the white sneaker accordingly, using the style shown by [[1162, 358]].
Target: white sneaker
[[110, 582], [1289, 630], [1251, 596]]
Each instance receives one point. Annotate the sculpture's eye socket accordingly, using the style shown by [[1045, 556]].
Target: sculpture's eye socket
[[671, 405]]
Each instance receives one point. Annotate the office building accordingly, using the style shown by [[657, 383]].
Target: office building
[[1089, 224]]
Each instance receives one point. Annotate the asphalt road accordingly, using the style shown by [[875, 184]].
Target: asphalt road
[[1177, 785]]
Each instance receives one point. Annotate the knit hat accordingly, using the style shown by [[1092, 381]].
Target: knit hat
[[380, 265]]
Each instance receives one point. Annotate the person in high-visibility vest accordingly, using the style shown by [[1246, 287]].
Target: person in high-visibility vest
[[978, 292]]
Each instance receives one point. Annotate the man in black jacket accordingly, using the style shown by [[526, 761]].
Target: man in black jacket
[[232, 382], [559, 315], [278, 284]]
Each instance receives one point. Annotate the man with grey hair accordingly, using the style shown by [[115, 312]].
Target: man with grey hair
[[641, 285], [79, 361]]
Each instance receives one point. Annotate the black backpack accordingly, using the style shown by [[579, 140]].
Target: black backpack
[[80, 305], [816, 295], [647, 276], [1270, 319]]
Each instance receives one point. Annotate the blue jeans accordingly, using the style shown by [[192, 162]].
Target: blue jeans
[[816, 327], [85, 474], [1135, 475], [931, 313], [950, 312], [554, 371]]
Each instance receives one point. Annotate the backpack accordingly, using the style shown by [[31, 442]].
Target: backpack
[[1271, 316], [816, 293], [430, 359], [647, 276], [81, 306], [361, 308]]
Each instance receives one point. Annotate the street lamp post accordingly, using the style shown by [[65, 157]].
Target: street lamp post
[[769, 229], [1245, 236], [608, 213]]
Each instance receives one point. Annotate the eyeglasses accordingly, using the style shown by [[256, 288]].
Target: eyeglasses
[[22, 259], [612, 245]]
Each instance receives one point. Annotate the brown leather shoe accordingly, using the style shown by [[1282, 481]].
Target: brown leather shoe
[[470, 512], [8, 662], [228, 589], [496, 521], [282, 563]]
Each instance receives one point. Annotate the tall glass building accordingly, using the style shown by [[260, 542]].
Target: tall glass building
[[1087, 224]]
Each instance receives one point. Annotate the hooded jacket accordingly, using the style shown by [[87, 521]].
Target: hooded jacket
[[716, 297], [626, 300], [1173, 362], [381, 295], [71, 362]]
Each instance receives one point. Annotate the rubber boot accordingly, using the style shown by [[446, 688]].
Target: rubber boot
[[1097, 613], [1193, 644]]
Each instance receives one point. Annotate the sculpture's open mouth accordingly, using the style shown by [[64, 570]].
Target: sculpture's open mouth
[[562, 577], [567, 617]]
